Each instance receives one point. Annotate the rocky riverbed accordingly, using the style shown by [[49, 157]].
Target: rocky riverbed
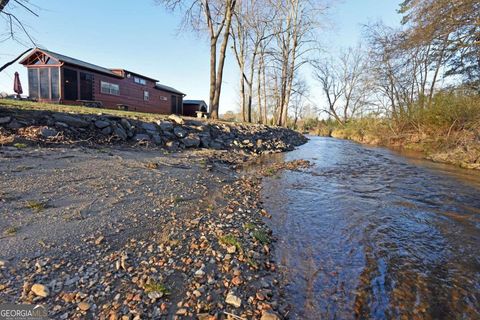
[[173, 133], [123, 229]]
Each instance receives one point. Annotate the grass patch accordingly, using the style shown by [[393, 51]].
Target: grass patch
[[261, 236], [157, 287], [230, 240], [11, 231], [20, 145], [252, 263], [36, 205], [270, 171], [249, 226], [30, 105]]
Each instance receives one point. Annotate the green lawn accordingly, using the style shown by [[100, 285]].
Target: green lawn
[[29, 105]]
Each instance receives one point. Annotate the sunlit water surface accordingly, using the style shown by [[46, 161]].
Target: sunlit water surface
[[368, 233]]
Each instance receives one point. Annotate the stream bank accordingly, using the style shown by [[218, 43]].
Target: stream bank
[[459, 148], [110, 224]]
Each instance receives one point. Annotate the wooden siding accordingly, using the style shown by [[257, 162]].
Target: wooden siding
[[131, 94]]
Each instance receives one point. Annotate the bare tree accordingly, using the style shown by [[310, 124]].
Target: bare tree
[[250, 33], [405, 75], [214, 16], [299, 100], [294, 38], [14, 25], [451, 29], [344, 83]]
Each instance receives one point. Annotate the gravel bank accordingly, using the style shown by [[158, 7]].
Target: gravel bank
[[117, 232]]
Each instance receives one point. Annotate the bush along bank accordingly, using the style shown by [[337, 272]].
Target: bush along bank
[[173, 133], [448, 131]]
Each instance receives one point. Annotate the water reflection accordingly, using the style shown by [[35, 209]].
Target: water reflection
[[367, 233]]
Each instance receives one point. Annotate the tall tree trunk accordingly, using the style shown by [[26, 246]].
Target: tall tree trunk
[[250, 85], [264, 93], [223, 49], [242, 96], [213, 74], [259, 93]]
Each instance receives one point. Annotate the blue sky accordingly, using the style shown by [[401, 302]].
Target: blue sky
[[144, 38]]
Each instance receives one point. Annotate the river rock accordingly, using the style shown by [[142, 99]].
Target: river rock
[[40, 290], [99, 240], [179, 132], [120, 132], [84, 306], [76, 121], [5, 120], [47, 132], [107, 131], [191, 141], [233, 300], [149, 126], [176, 119], [61, 124], [141, 137], [126, 124], [165, 125], [157, 139], [205, 141], [14, 124], [199, 273], [100, 124]]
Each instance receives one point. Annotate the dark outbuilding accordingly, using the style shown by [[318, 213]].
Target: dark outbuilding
[[191, 107]]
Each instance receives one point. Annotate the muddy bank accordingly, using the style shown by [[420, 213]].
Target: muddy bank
[[135, 233], [173, 133]]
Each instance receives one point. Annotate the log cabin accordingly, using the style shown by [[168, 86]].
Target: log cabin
[[56, 78]]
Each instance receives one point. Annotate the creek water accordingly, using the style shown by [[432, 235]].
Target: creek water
[[368, 233]]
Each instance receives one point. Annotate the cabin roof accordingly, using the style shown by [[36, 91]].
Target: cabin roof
[[194, 102], [73, 61], [169, 89], [125, 72]]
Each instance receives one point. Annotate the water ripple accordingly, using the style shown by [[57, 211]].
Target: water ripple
[[368, 233]]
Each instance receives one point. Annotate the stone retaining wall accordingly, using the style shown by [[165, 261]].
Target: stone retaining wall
[[172, 133]]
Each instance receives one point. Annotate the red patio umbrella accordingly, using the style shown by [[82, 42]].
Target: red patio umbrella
[[17, 86]]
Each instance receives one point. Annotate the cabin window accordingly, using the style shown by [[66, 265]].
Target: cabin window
[[44, 84], [33, 83], [146, 95], [139, 80], [54, 83], [110, 88]]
